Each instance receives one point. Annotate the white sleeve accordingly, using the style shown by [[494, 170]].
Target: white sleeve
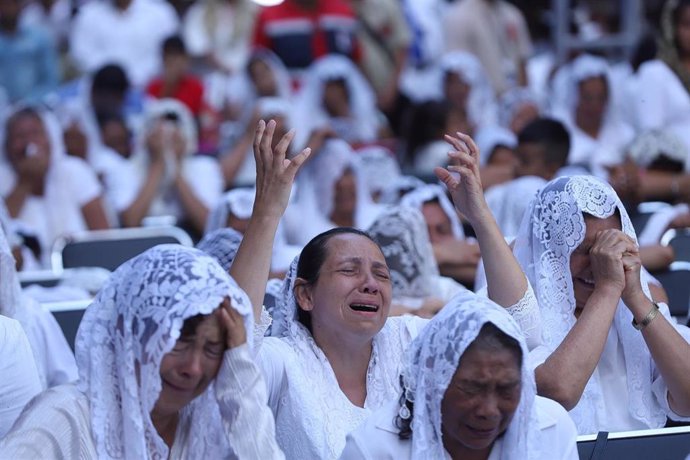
[[83, 42], [353, 450], [650, 104], [271, 360], [19, 382], [205, 178], [241, 394], [83, 183], [195, 32], [526, 313]]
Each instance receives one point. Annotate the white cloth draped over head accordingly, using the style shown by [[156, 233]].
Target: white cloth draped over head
[[222, 244], [378, 166], [512, 101], [481, 102], [433, 358], [553, 228], [490, 137], [240, 202], [508, 202], [69, 184], [430, 192], [651, 145], [133, 322], [310, 112], [399, 187], [566, 93], [310, 214], [402, 235]]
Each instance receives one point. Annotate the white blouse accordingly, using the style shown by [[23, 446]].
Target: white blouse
[[58, 423]]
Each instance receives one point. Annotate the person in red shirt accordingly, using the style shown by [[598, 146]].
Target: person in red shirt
[[301, 31], [176, 81]]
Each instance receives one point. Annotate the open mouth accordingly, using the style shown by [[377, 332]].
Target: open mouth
[[586, 281], [363, 307], [482, 433], [177, 388]]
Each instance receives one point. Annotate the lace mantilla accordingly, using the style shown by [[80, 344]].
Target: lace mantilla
[[434, 356], [555, 227], [222, 244], [133, 322]]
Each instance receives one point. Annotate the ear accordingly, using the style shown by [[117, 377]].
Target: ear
[[303, 295]]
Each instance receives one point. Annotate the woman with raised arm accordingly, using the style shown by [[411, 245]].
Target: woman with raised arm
[[165, 372], [610, 354], [336, 355]]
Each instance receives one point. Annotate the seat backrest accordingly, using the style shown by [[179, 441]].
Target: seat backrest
[[68, 315], [661, 444], [679, 240], [110, 248], [676, 282]]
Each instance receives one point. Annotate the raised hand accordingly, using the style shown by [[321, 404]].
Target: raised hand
[[232, 322], [462, 178], [275, 173], [606, 256]]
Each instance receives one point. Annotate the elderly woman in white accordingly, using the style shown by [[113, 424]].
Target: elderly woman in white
[[336, 356], [165, 371], [467, 393], [610, 354]]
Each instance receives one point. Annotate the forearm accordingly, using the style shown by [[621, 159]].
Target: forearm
[[194, 208], [133, 215], [464, 274], [252, 263], [661, 185], [565, 373], [94, 215], [670, 352], [506, 282], [15, 200], [656, 257]]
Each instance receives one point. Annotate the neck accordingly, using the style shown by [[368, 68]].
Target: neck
[[590, 127], [122, 4], [166, 426], [458, 451], [349, 358]]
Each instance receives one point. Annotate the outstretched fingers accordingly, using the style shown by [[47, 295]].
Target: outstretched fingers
[[297, 161], [280, 151]]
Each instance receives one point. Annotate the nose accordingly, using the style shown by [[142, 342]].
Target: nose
[[488, 407], [190, 366], [370, 284]]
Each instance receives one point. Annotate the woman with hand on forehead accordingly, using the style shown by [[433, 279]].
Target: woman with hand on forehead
[[610, 354], [165, 371], [336, 355]]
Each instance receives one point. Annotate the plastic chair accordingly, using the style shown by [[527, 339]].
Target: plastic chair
[[679, 240], [68, 315], [110, 248]]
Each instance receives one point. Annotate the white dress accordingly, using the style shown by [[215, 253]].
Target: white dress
[[58, 423], [19, 382], [377, 438]]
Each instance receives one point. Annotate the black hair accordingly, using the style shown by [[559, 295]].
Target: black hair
[[490, 338], [427, 122], [190, 325], [174, 45], [110, 78], [552, 135], [311, 260]]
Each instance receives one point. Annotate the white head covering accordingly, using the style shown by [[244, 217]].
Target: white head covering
[[491, 136], [310, 113], [399, 187], [433, 358], [554, 226], [133, 322], [280, 72], [650, 145], [157, 109], [10, 289], [566, 91], [402, 235], [222, 244], [238, 201], [513, 100], [428, 192], [508, 202], [481, 103], [378, 166]]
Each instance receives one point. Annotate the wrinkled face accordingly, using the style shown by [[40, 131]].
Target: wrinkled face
[[592, 102], [437, 222], [456, 90], [26, 136], [263, 78], [580, 267], [523, 116], [353, 291], [336, 100], [345, 194], [683, 31], [481, 399], [116, 136], [188, 369], [530, 160]]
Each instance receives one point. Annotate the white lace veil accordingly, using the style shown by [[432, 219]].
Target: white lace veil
[[378, 166], [134, 321], [222, 244], [425, 193], [402, 235], [552, 228], [512, 101], [238, 201], [489, 137], [650, 145], [431, 361]]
